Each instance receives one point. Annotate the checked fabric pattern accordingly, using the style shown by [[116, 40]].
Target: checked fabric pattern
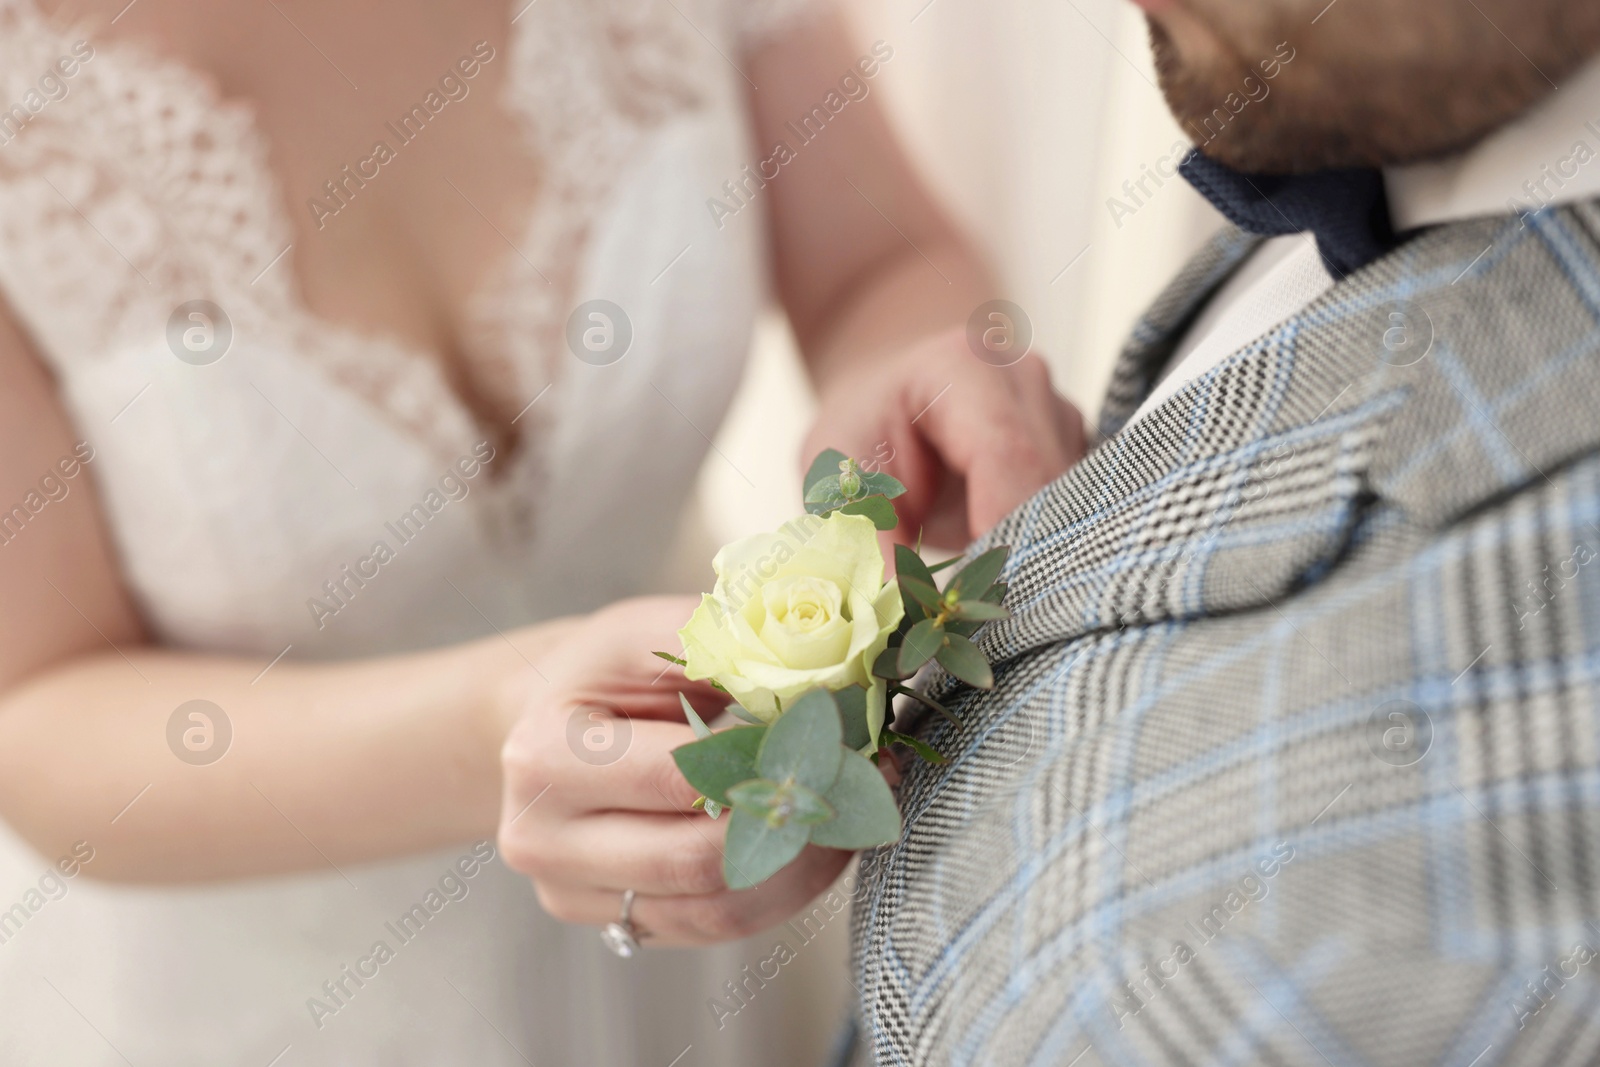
[[1286, 763]]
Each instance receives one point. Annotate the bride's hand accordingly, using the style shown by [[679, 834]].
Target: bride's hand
[[970, 440], [594, 805]]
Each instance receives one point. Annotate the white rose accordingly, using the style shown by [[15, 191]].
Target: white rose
[[803, 608]]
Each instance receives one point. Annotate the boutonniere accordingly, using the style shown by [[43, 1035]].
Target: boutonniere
[[810, 644]]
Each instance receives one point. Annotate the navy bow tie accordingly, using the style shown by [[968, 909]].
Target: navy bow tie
[[1343, 208]]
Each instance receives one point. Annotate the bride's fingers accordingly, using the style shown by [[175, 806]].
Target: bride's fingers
[[733, 914], [594, 764], [701, 918], [634, 628], [657, 855], [651, 699]]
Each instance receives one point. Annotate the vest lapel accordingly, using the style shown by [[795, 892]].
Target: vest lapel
[[1427, 379], [1161, 327], [1510, 389]]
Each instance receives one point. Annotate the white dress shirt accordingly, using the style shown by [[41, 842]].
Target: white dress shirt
[[1548, 155]]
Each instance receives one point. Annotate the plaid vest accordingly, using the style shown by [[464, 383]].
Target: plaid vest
[[1294, 753]]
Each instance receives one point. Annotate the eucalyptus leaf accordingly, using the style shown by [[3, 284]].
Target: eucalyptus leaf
[[908, 564], [780, 802], [973, 580], [923, 593], [827, 492], [969, 624], [824, 466], [921, 645], [809, 808], [876, 508], [726, 758], [755, 851], [707, 805], [868, 815], [696, 723], [917, 745], [961, 658], [852, 701], [879, 482], [759, 795], [887, 665], [739, 711], [964, 627], [804, 745], [979, 611]]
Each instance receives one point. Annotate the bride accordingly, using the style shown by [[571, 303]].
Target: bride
[[354, 360]]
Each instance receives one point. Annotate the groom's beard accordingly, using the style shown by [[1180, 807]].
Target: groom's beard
[[1372, 82]]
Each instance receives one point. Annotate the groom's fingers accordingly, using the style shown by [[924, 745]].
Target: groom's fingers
[[1006, 434], [969, 438]]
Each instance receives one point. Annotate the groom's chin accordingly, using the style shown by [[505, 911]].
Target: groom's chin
[[1239, 108], [1271, 86]]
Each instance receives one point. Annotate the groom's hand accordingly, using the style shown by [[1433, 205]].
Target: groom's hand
[[594, 804], [970, 440]]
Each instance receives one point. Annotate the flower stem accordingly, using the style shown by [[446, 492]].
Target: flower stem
[[926, 700]]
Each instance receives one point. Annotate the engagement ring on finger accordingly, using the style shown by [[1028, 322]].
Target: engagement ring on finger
[[622, 937]]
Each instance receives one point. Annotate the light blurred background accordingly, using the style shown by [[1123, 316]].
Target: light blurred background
[[1027, 118]]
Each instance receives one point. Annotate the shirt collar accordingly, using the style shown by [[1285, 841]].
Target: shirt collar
[[1548, 155]]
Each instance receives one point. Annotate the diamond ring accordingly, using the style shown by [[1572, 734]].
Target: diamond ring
[[622, 937]]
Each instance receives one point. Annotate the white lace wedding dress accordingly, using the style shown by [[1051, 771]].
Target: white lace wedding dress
[[236, 489]]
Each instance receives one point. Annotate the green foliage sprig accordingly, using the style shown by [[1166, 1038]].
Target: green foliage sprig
[[809, 776], [835, 482], [937, 625], [799, 781]]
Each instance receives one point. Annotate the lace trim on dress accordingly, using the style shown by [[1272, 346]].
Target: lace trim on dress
[[175, 184], [589, 79]]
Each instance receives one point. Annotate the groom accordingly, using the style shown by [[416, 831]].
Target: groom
[[1294, 751]]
